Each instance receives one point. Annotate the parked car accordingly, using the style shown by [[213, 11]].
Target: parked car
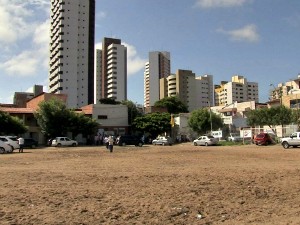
[[11, 141], [5, 148], [129, 140], [206, 140], [235, 137], [161, 140], [263, 139], [30, 143], [63, 141]]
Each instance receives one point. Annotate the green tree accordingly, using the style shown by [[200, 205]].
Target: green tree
[[202, 120], [81, 124], [153, 123], [173, 105], [53, 117], [109, 101], [11, 124], [133, 112], [271, 117]]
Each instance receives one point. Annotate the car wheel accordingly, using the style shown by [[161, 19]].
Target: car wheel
[[58, 145], [285, 145], [33, 146], [2, 150], [140, 144], [195, 143], [123, 144], [163, 144], [206, 144], [74, 144]]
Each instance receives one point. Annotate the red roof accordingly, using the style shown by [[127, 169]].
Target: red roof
[[17, 110]]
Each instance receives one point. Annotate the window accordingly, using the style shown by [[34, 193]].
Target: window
[[102, 117]]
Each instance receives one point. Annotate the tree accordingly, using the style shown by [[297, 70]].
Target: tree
[[109, 101], [11, 124], [202, 121], [56, 120], [133, 112], [53, 117], [273, 116], [153, 123], [81, 124], [173, 105]]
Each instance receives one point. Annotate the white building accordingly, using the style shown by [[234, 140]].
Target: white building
[[72, 33], [158, 67], [238, 90]]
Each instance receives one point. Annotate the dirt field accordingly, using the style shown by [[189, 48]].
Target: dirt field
[[181, 184]]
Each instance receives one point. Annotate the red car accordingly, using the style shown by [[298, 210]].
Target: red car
[[263, 139]]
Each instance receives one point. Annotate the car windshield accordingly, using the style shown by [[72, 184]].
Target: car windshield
[[209, 136]]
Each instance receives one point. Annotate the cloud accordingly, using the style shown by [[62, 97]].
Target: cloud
[[23, 64], [18, 25], [134, 62], [219, 3], [247, 33]]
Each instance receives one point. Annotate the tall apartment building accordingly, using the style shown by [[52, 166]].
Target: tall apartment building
[[98, 76], [111, 70], [195, 92], [238, 90], [156, 68], [72, 30]]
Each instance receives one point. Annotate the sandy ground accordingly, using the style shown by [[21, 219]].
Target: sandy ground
[[181, 184]]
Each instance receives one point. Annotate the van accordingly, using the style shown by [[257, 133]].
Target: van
[[129, 140]]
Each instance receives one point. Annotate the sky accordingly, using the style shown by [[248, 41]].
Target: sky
[[257, 39]]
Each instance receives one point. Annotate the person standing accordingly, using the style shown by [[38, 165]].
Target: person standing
[[110, 143], [21, 144]]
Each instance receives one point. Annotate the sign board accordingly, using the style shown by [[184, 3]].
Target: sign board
[[217, 134], [246, 133]]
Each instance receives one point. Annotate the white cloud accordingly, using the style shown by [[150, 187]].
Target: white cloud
[[24, 64], [16, 28], [248, 33], [219, 3], [134, 62]]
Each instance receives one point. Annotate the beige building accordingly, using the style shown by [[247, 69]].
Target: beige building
[[195, 92], [238, 90]]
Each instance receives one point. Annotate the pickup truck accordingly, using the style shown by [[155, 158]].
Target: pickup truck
[[292, 140]]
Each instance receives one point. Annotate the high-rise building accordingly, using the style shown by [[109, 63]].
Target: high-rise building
[[195, 92], [238, 90], [113, 81], [98, 76], [72, 25], [156, 68]]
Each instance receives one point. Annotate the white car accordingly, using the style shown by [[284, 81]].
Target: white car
[[63, 141], [206, 140], [5, 148], [11, 141]]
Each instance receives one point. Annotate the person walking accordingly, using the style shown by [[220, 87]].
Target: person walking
[[106, 142], [110, 143], [21, 144]]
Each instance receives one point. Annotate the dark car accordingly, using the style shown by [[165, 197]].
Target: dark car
[[263, 139], [30, 143], [129, 140]]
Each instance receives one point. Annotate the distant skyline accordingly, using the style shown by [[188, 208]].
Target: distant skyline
[[255, 39]]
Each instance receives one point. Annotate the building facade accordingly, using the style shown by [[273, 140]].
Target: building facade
[[111, 70], [238, 90], [156, 68], [195, 92], [72, 30]]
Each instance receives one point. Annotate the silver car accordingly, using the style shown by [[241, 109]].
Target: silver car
[[206, 140], [63, 141], [162, 141]]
